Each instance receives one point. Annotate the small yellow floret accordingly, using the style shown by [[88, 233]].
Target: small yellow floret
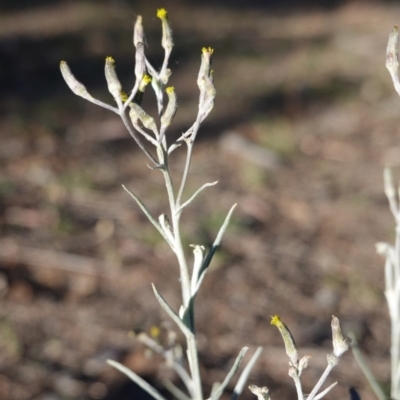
[[124, 96], [110, 60], [207, 50], [275, 320], [170, 89], [162, 13], [155, 332], [146, 79]]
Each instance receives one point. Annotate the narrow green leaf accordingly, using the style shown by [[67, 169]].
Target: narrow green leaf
[[171, 313], [213, 249], [324, 392], [245, 374], [365, 369], [137, 379], [150, 217], [175, 391], [196, 193], [217, 394]]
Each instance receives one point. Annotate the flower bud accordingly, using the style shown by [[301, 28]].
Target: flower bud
[[167, 41], [140, 61], [290, 345], [260, 392], [138, 33], [340, 342], [303, 364], [138, 114], [207, 96], [205, 66], [171, 108], [78, 88], [113, 83]]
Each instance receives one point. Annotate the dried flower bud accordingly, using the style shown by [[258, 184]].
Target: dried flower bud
[[303, 363], [113, 83], [138, 33], [205, 66], [78, 88], [293, 371], [140, 61], [290, 345], [260, 392], [340, 342], [167, 41], [138, 114], [171, 108]]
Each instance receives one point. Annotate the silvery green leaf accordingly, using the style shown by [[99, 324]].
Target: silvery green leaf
[[175, 391], [171, 312], [214, 248], [149, 216], [217, 394], [324, 392], [196, 193], [137, 379], [245, 374]]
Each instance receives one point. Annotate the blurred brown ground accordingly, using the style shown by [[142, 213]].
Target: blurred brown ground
[[305, 119]]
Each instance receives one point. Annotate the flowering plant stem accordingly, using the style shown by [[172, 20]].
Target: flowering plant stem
[[143, 127]]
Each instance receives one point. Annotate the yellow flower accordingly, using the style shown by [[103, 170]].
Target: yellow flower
[[162, 13], [209, 50], [166, 41], [275, 320], [123, 96]]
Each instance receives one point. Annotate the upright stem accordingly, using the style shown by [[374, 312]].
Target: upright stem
[[184, 274], [194, 366], [299, 390]]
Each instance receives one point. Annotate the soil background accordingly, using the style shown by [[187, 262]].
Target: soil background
[[305, 120]]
